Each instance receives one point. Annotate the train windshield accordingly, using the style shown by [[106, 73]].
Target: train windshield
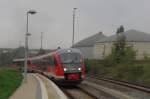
[[70, 58]]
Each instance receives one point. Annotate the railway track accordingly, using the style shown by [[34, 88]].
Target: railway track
[[85, 90], [88, 90], [76, 92], [122, 83]]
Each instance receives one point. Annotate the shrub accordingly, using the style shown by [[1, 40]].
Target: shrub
[[127, 72], [145, 79], [94, 65]]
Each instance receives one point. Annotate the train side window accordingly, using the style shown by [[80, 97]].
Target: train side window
[[28, 62], [52, 61], [45, 62], [55, 62]]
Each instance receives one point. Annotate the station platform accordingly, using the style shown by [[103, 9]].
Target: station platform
[[36, 86]]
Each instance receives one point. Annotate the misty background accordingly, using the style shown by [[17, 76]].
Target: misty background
[[54, 19]]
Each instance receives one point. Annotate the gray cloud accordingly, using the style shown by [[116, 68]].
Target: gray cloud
[[54, 18]]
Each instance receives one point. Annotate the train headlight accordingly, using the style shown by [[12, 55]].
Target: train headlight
[[65, 69], [79, 68]]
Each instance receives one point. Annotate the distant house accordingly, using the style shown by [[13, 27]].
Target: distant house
[[87, 45], [139, 40]]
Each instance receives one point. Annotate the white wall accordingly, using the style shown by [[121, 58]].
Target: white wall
[[141, 48], [103, 49]]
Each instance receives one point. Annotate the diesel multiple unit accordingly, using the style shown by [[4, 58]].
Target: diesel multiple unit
[[62, 65]]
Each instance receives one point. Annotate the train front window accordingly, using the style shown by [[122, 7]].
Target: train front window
[[71, 58]]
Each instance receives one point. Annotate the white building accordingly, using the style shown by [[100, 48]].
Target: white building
[[87, 45], [139, 40]]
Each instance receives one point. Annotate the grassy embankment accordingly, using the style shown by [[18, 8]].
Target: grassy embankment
[[135, 72], [10, 80]]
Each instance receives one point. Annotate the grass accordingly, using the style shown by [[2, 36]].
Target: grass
[[10, 80]]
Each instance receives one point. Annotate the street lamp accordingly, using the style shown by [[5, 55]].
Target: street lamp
[[74, 9], [26, 41], [41, 40]]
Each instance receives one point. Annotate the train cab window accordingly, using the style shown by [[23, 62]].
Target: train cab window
[[70, 59]]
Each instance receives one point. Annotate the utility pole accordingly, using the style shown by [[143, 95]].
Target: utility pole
[[74, 9], [41, 40]]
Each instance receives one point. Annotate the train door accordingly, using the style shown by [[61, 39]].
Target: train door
[[58, 67]]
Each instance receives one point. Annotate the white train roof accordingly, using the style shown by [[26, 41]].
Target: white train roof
[[59, 51]]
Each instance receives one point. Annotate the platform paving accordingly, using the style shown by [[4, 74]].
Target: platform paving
[[27, 90], [37, 87]]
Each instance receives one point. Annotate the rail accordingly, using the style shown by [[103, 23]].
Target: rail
[[80, 91], [120, 82]]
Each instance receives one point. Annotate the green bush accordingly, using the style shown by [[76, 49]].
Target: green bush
[[145, 79], [127, 72], [94, 65], [135, 72], [113, 59]]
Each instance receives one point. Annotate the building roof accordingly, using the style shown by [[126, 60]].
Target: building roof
[[131, 36], [90, 41]]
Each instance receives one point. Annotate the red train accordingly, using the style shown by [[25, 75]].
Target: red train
[[62, 65]]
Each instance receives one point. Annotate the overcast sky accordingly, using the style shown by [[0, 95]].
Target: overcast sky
[[54, 18]]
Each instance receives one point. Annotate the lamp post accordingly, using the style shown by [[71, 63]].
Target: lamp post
[[41, 40], [26, 41], [74, 9]]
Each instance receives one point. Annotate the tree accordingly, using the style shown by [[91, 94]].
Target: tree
[[19, 52], [121, 52], [41, 52], [120, 43], [5, 58], [120, 29]]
